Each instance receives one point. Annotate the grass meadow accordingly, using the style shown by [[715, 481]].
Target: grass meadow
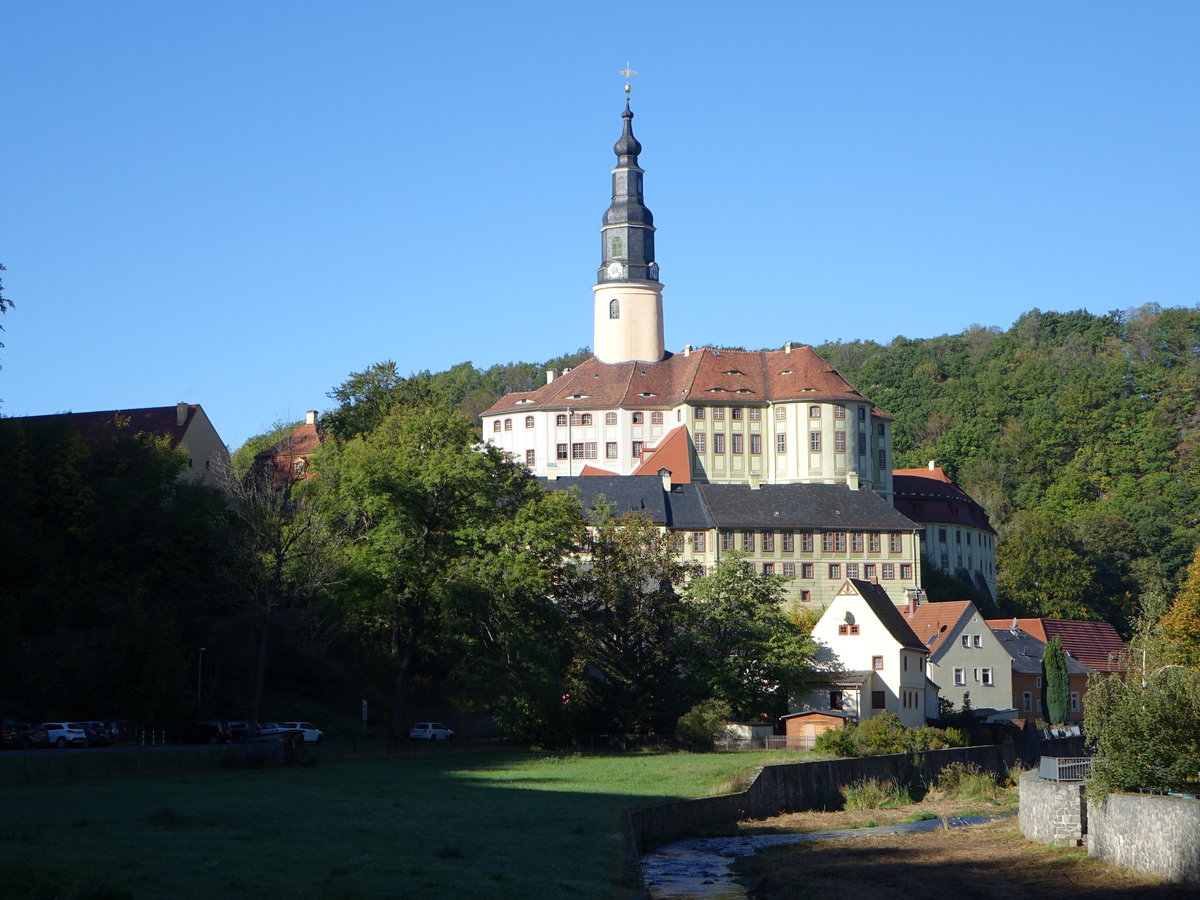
[[470, 823]]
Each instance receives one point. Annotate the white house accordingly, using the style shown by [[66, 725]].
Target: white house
[[869, 658]]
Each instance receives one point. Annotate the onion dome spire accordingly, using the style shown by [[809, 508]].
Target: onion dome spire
[[627, 231]]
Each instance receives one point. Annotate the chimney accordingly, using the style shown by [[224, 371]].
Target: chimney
[[687, 350], [852, 480], [181, 411], [931, 466], [787, 348], [914, 602], [310, 417], [665, 474], [549, 375]]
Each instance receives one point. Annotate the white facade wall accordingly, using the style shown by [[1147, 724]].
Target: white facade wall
[[903, 669]]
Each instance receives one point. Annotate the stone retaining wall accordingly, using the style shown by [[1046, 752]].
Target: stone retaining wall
[[800, 786], [1152, 834], [1052, 812]]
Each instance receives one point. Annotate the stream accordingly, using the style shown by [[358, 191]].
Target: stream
[[701, 868]]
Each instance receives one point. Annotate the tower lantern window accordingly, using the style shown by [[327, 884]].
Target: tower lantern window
[[618, 247]]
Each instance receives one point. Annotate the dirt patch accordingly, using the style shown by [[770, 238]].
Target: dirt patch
[[933, 807], [981, 861]]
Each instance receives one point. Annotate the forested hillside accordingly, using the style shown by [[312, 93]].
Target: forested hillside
[[1079, 433]]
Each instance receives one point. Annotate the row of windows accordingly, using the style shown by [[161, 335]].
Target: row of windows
[[985, 540], [754, 413], [982, 674], [588, 450], [970, 563], [831, 541]]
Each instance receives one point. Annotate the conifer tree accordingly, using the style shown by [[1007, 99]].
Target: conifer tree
[[1058, 686]]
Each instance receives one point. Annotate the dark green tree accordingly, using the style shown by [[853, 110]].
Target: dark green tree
[[1058, 686], [628, 617], [449, 558], [738, 644]]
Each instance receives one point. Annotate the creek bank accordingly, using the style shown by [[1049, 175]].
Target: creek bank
[[702, 868]]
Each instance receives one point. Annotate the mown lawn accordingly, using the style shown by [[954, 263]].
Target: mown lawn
[[468, 823]]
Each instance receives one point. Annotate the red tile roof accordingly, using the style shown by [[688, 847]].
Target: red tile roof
[[671, 453], [931, 622], [158, 420], [929, 496], [1094, 644], [726, 377]]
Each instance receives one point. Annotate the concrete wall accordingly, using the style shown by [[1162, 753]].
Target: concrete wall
[[1052, 812], [800, 786], [1147, 833]]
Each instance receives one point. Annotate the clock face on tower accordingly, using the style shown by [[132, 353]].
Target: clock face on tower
[[615, 269]]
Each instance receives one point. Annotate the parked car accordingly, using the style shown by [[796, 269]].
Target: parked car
[[62, 734], [99, 734], [11, 730], [430, 731], [33, 737], [312, 734], [241, 729], [270, 728], [209, 731]]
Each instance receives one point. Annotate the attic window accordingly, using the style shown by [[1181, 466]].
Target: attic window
[[577, 397], [732, 372], [786, 372], [645, 394], [716, 390], [744, 391]]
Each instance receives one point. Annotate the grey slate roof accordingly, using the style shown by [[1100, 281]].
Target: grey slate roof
[[702, 506], [888, 614], [1026, 652]]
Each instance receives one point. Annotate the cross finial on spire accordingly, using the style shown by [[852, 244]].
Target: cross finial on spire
[[627, 73]]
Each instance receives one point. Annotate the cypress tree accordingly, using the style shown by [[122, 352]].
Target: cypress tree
[[1057, 692]]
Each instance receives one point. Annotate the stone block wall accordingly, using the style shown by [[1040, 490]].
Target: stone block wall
[[1148, 833], [800, 786], [1052, 812]]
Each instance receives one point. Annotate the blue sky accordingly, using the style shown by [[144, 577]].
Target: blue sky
[[240, 203]]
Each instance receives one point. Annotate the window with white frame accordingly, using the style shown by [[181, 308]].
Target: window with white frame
[[718, 443], [529, 458], [496, 425], [781, 443], [814, 441], [735, 443], [610, 449], [748, 541], [700, 439], [756, 444], [788, 541], [768, 542], [561, 420], [726, 540], [895, 542], [698, 413], [789, 569], [529, 421], [960, 676], [977, 641], [561, 451], [610, 418], [656, 418], [780, 413], [718, 412]]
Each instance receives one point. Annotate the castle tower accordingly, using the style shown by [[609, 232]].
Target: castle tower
[[628, 296]]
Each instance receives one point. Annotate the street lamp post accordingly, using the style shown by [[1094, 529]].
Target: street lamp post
[[200, 682]]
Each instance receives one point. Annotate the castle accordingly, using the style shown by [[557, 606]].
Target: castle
[[770, 452]]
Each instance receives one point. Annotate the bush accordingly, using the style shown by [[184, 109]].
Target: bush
[[871, 793], [884, 734], [703, 724], [968, 782]]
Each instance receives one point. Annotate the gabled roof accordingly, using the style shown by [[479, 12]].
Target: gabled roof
[[739, 506], [672, 454], [1092, 643], [725, 377], [929, 496], [885, 611], [933, 622], [824, 506], [163, 421], [1026, 652]]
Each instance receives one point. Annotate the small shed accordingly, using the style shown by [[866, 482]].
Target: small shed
[[803, 728]]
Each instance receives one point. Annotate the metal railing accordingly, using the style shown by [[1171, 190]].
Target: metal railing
[[1065, 768]]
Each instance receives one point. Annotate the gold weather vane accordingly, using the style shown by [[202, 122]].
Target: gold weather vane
[[627, 73]]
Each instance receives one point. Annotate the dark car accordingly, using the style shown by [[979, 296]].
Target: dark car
[[210, 731], [34, 736], [99, 734], [240, 730]]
